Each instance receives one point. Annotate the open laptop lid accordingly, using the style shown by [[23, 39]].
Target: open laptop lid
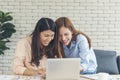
[[62, 69]]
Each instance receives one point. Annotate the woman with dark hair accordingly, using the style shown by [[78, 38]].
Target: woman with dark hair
[[75, 44], [32, 51]]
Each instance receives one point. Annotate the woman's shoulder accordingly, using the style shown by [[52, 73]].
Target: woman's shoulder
[[26, 39], [80, 37]]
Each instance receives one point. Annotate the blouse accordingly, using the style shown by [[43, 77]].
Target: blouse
[[22, 57], [80, 49]]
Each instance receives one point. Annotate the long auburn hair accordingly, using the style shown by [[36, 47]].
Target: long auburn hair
[[64, 21], [37, 49]]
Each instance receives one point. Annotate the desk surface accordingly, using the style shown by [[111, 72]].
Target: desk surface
[[18, 77], [95, 77]]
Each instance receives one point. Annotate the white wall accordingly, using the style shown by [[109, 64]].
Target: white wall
[[100, 19]]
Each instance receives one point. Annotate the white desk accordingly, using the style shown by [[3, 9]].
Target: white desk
[[95, 77], [18, 77]]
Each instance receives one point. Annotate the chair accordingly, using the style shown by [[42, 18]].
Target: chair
[[118, 63], [106, 61]]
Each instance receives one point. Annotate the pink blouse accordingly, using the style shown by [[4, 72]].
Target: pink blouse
[[22, 57]]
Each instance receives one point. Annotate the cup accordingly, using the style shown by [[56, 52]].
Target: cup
[[103, 76]]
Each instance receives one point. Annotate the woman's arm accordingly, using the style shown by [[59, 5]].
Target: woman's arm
[[20, 66], [21, 51], [85, 53], [19, 58], [29, 72]]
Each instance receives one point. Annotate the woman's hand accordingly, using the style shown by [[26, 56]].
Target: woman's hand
[[42, 70], [81, 68], [30, 72]]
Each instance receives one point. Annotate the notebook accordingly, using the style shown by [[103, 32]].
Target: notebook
[[63, 69]]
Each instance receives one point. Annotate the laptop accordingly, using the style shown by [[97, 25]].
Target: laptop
[[63, 69]]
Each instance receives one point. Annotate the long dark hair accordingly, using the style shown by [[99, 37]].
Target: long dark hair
[[64, 21], [38, 50]]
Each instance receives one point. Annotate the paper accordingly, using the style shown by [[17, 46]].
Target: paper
[[14, 77], [4, 77], [95, 77]]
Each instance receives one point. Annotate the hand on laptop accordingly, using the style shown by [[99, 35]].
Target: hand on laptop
[[42, 70], [81, 68], [30, 72]]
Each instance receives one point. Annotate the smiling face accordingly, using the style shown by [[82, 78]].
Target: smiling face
[[46, 37], [65, 35]]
